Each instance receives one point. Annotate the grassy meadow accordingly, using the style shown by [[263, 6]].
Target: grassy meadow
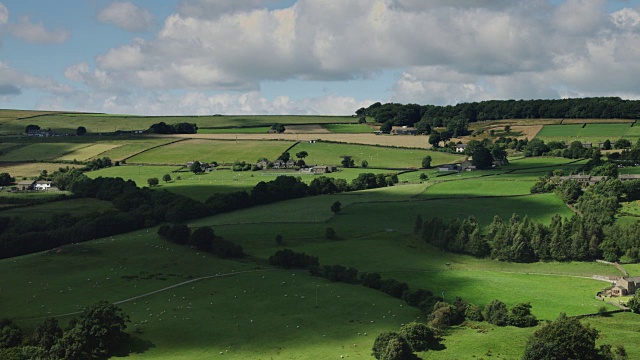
[[591, 132], [222, 151], [247, 309]]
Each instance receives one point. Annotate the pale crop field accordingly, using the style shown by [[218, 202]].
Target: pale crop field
[[88, 152], [24, 170], [40, 151], [212, 150]]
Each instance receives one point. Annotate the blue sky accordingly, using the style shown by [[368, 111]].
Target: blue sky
[[179, 57]]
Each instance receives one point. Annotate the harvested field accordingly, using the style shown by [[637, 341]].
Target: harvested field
[[410, 141], [306, 129], [21, 170]]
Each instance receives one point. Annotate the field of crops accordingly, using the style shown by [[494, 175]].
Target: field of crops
[[212, 150], [381, 157], [589, 132]]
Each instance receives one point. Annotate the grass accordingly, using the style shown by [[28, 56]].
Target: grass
[[104, 123], [592, 132], [478, 188], [28, 170], [40, 151], [221, 151], [88, 152], [380, 157], [204, 185], [72, 206], [348, 128]]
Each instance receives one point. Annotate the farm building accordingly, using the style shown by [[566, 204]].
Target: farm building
[[448, 167], [26, 185], [624, 286], [403, 130], [460, 148], [43, 185], [630, 177], [279, 164], [467, 166]]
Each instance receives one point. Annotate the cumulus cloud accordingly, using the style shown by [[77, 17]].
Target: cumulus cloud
[[9, 89], [36, 32], [127, 16], [4, 14], [12, 82], [447, 52]]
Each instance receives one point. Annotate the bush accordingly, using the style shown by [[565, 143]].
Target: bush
[[419, 336], [496, 313], [330, 234]]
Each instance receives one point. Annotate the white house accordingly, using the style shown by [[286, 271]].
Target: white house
[[460, 148], [43, 185]]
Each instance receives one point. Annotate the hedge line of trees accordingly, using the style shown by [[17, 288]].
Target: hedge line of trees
[[202, 238], [591, 235], [179, 128], [97, 334], [426, 117]]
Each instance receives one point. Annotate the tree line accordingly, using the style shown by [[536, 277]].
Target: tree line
[[98, 333], [202, 238], [427, 117], [179, 128]]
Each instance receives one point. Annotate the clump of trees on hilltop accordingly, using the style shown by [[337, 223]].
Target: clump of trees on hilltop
[[179, 128], [456, 118]]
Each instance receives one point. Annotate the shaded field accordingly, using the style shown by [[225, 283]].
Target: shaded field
[[202, 186], [383, 157], [348, 128], [102, 123], [212, 150], [40, 151], [72, 206]]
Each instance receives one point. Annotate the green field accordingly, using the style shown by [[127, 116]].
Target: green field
[[381, 157], [72, 207], [348, 128], [104, 123], [222, 151], [590, 133], [41, 151]]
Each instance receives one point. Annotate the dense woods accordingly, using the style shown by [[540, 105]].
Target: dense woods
[[456, 117]]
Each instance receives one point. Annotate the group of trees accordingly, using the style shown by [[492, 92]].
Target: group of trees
[[179, 128], [202, 238], [278, 128], [403, 344], [455, 118], [97, 334], [6, 179]]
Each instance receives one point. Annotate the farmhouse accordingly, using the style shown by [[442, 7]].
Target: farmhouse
[[467, 166], [26, 185], [624, 286], [403, 130], [460, 148], [262, 164], [43, 185], [279, 164], [319, 169], [448, 167]]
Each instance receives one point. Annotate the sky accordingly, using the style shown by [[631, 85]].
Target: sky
[[327, 57]]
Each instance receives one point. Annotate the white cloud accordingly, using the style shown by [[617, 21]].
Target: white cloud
[[211, 9], [37, 33], [13, 81], [127, 16], [4, 14]]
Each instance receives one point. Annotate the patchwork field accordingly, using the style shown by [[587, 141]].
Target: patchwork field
[[592, 132], [226, 152], [377, 157], [102, 123], [41, 151]]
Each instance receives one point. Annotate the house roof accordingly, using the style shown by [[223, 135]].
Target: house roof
[[461, 146], [44, 182], [26, 182]]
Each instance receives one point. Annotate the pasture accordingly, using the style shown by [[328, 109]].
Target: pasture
[[235, 130], [377, 157], [348, 128], [40, 151], [72, 206], [592, 132], [222, 151], [106, 123]]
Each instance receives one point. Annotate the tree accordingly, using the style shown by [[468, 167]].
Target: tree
[[202, 238], [31, 128], [392, 346], [10, 334], [302, 154], [482, 158], [434, 139], [336, 207], [520, 316], [606, 145], [622, 144], [634, 303], [279, 239], [166, 177], [153, 182], [419, 336], [81, 130], [96, 334], [426, 162], [285, 156], [196, 167], [347, 161], [565, 338], [423, 177], [496, 313], [330, 233], [6, 179], [507, 129], [277, 127], [47, 334], [364, 163]]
